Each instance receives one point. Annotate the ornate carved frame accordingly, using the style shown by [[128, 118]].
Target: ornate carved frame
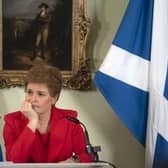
[[79, 78]]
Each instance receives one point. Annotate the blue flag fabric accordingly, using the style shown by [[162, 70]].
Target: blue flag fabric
[[1, 156], [134, 80]]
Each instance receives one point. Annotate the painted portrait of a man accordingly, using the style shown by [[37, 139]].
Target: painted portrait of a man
[[37, 31]]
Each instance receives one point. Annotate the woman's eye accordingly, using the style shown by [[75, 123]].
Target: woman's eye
[[41, 94], [29, 92]]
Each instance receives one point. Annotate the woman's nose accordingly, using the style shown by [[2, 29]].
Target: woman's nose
[[33, 98]]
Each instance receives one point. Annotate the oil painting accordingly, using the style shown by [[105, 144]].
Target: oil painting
[[37, 30], [53, 31]]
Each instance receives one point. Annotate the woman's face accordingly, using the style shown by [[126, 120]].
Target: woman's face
[[39, 97]]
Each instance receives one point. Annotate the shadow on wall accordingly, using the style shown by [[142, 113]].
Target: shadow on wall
[[105, 21], [92, 38], [100, 35]]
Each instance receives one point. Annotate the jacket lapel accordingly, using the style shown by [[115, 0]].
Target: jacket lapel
[[57, 139]]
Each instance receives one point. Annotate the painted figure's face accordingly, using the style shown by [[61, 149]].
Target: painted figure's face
[[39, 97], [43, 9]]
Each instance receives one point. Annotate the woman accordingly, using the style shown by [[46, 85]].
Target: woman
[[39, 131]]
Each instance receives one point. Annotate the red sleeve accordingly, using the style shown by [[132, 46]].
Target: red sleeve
[[18, 145], [80, 144]]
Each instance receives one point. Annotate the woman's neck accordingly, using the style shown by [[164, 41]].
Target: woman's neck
[[43, 125], [44, 116]]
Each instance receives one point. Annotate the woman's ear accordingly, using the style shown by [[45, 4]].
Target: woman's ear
[[55, 99]]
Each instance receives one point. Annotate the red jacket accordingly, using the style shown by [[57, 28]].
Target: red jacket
[[65, 138]]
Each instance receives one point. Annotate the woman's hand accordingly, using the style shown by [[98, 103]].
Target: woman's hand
[[32, 116]]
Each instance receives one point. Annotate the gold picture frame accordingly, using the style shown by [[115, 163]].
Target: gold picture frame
[[79, 75]]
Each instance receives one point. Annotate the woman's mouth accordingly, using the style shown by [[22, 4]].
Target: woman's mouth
[[34, 106]]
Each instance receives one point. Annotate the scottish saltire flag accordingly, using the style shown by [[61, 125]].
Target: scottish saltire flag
[[134, 76], [1, 157]]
